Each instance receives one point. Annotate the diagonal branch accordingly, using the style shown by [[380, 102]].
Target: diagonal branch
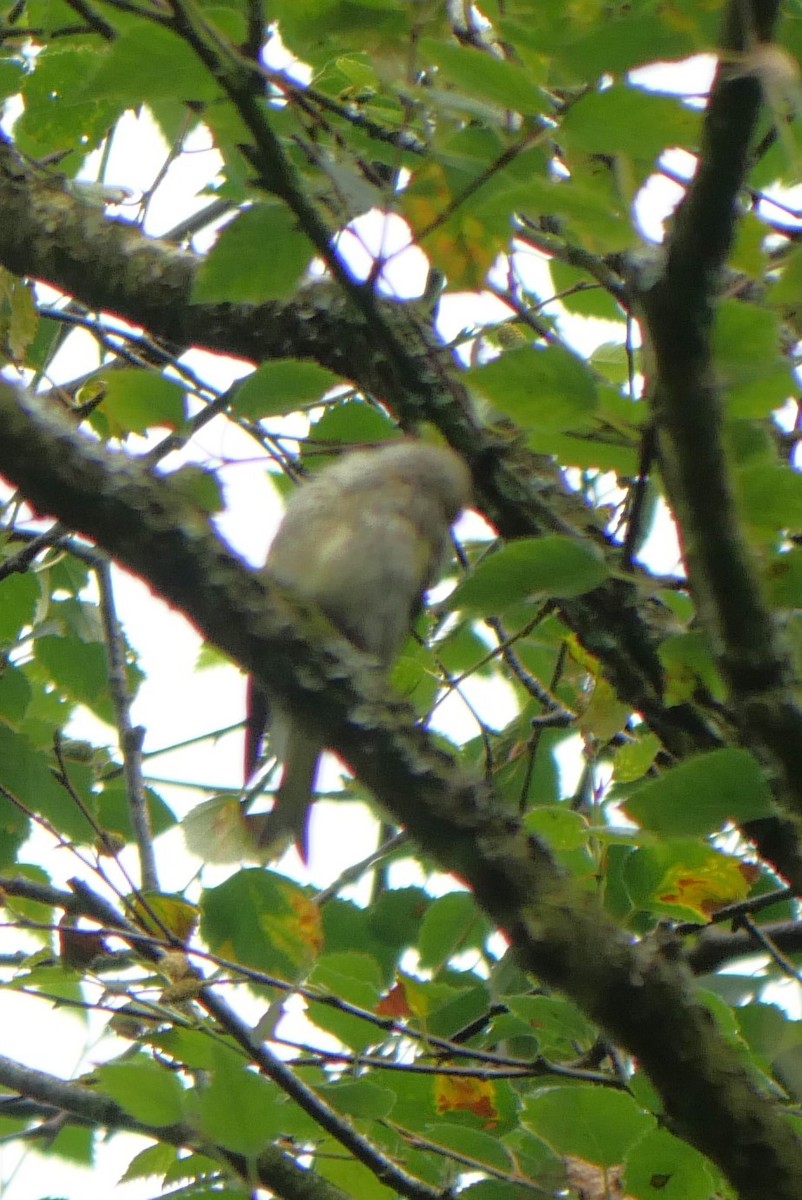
[[49, 234], [643, 998], [86, 1105]]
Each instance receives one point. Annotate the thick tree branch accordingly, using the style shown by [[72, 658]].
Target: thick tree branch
[[642, 998], [689, 407], [49, 234], [716, 946], [274, 1169]]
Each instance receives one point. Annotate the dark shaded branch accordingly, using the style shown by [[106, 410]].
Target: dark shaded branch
[[274, 1169], [50, 234], [282, 1074], [640, 996], [87, 903], [715, 946], [754, 657]]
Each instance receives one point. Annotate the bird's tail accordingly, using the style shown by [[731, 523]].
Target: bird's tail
[[289, 818]]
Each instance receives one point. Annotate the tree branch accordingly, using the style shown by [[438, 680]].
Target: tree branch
[[50, 234], [639, 995], [754, 657], [47, 233], [274, 1169]]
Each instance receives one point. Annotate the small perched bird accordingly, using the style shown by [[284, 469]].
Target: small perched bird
[[363, 540]]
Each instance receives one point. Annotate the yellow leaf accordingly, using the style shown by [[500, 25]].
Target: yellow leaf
[[706, 886], [162, 912], [477, 1096]]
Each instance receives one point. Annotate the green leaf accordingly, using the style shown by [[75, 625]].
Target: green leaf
[[60, 110], [702, 793], [688, 663], [628, 120], [456, 1008], [786, 292], [552, 566], [596, 453], [783, 575], [771, 497], [559, 827], [661, 1167], [583, 295], [480, 74], [239, 1109], [26, 774], [336, 23], [23, 319], [360, 1099], [75, 1145], [768, 1030], [624, 39], [592, 211], [260, 255], [346, 423], [753, 373], [476, 1145], [201, 1167], [557, 1024], [281, 386], [200, 486], [192, 1048], [114, 811], [596, 1124], [80, 669], [135, 400], [11, 77], [451, 925], [547, 388], [153, 1160], [682, 879], [148, 62], [355, 978], [262, 919], [633, 759], [15, 695], [148, 1092], [67, 574], [228, 21], [383, 931], [215, 832], [19, 596]]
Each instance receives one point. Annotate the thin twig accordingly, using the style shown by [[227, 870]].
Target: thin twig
[[130, 736]]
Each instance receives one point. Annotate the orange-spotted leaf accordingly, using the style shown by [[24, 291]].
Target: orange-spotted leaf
[[459, 1094], [706, 887], [299, 920], [260, 918], [684, 879]]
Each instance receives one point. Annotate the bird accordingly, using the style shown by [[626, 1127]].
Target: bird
[[363, 539]]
